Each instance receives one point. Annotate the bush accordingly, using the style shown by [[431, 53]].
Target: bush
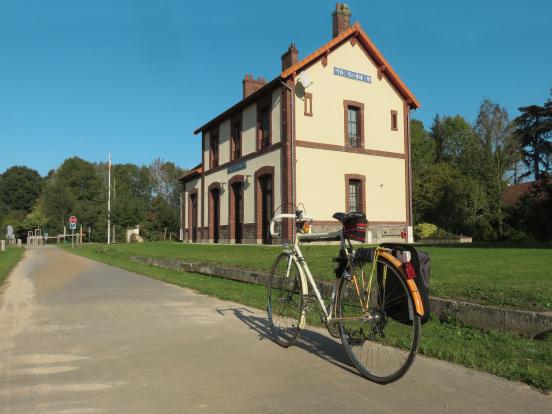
[[425, 230]]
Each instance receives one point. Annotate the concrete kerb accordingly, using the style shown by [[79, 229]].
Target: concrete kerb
[[526, 323]]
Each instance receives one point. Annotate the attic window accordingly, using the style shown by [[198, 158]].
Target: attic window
[[394, 121], [308, 104]]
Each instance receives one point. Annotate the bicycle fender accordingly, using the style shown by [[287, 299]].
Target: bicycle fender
[[409, 282]]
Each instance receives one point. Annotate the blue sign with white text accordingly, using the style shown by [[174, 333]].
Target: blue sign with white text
[[236, 167], [352, 75]]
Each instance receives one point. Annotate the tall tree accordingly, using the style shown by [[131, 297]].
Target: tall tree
[[500, 151]]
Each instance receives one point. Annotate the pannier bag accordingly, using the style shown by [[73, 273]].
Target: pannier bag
[[421, 264], [354, 227]]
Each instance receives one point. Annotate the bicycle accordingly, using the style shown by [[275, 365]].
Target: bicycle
[[376, 314]]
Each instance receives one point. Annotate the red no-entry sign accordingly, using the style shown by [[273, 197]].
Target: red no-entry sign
[[73, 220]]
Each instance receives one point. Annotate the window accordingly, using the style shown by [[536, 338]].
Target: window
[[214, 150], [353, 127], [235, 149], [355, 195], [394, 121], [308, 104], [264, 127], [354, 124]]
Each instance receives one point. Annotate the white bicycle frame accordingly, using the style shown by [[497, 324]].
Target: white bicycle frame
[[304, 272]]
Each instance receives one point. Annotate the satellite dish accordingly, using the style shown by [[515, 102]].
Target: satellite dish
[[304, 80]]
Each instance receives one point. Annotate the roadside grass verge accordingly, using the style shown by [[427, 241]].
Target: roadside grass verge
[[506, 355], [8, 260], [508, 275]]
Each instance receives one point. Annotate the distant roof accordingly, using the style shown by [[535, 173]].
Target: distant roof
[[354, 30], [513, 193], [196, 171]]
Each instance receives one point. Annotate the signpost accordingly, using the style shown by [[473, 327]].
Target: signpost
[[73, 225]]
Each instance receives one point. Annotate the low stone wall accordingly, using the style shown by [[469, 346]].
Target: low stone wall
[[526, 323]]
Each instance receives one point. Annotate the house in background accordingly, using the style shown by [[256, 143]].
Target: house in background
[[331, 131]]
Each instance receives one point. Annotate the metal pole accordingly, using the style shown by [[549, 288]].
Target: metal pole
[[109, 201], [72, 237]]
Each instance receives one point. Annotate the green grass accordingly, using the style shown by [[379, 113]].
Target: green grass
[[8, 260], [506, 355], [494, 274]]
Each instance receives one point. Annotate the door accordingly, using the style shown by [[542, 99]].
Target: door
[[193, 206], [215, 199], [266, 207], [238, 215]]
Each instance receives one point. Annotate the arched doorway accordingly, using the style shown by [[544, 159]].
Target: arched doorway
[[192, 217], [214, 212], [264, 201], [235, 211]]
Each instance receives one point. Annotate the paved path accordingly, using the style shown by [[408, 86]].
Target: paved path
[[78, 336]]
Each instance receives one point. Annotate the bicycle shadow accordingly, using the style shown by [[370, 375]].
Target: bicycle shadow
[[309, 340]]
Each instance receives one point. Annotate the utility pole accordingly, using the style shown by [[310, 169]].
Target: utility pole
[[109, 201]]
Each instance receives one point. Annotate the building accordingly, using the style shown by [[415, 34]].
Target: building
[[331, 131]]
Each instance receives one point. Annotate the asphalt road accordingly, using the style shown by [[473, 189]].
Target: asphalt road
[[78, 336]]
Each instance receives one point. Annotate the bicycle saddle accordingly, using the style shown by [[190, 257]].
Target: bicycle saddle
[[343, 218]]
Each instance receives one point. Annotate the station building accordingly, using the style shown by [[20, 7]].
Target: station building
[[331, 131]]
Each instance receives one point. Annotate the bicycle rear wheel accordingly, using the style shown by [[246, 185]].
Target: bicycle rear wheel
[[379, 327], [285, 300]]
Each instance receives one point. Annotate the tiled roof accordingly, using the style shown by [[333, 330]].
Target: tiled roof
[[197, 170]]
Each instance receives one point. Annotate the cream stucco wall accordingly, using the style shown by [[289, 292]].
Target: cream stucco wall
[[321, 183], [329, 91], [252, 165]]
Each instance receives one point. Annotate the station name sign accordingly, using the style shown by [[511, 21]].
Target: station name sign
[[236, 167], [352, 75]]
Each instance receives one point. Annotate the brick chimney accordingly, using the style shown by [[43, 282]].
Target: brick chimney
[[340, 18], [291, 57], [251, 84]]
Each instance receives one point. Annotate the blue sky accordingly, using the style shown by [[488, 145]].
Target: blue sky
[[136, 77]]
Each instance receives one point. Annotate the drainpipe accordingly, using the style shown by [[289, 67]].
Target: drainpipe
[[292, 93]]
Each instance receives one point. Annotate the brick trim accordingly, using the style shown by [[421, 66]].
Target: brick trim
[[360, 106], [394, 121], [407, 164], [211, 208], [247, 157], [260, 173], [213, 163], [288, 166], [264, 103], [380, 223], [236, 120], [362, 179], [365, 151], [232, 205], [308, 104]]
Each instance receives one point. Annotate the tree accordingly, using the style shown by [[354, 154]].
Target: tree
[[131, 195], [533, 128], [20, 187], [499, 147], [422, 147]]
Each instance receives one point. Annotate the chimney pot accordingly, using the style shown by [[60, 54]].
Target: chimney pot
[[341, 18], [291, 57], [250, 84]]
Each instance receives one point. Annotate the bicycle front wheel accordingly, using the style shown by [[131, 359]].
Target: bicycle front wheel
[[379, 327], [285, 300]]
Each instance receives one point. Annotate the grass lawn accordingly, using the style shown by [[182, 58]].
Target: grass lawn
[[503, 354], [496, 274], [8, 260]]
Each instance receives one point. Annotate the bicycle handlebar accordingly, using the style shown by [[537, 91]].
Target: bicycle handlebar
[[279, 217]]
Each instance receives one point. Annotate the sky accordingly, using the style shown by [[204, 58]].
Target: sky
[[135, 78]]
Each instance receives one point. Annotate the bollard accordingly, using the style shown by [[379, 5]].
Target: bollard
[[3, 245]]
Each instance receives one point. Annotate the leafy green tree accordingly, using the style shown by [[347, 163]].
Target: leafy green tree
[[131, 195], [20, 187], [499, 153], [422, 146]]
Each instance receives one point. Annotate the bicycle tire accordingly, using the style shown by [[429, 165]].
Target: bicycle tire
[[285, 305], [379, 340]]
